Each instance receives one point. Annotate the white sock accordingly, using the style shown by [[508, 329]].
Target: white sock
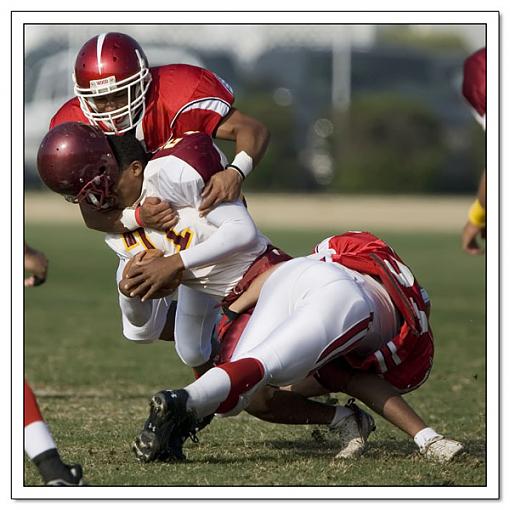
[[38, 439], [341, 413], [208, 392], [423, 436]]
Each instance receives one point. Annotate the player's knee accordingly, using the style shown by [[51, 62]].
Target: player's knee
[[193, 355], [139, 335]]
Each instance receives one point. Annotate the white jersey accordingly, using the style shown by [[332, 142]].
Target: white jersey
[[216, 279], [178, 176]]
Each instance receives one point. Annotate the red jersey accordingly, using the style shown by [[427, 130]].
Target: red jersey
[[180, 98], [365, 253]]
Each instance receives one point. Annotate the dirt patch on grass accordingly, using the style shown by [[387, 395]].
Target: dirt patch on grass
[[403, 213]]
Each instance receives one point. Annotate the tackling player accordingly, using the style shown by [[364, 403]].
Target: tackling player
[[39, 444], [118, 92], [474, 88]]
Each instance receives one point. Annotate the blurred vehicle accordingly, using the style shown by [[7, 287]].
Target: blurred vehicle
[[51, 86]]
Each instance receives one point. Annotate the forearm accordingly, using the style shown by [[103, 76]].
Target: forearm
[[250, 135], [249, 298], [236, 231], [253, 139]]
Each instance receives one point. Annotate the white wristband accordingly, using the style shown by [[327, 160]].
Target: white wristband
[[243, 162], [128, 219]]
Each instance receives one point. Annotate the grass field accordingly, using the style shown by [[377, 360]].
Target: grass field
[[93, 386]]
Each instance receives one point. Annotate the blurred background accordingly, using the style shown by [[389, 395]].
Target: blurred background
[[352, 109]]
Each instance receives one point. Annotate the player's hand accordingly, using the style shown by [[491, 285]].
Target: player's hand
[[153, 278], [36, 263], [471, 239], [158, 214], [224, 186], [143, 255]]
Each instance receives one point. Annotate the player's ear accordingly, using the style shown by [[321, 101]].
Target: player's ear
[[137, 168]]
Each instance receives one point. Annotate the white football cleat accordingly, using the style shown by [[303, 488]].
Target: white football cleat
[[441, 449], [353, 432]]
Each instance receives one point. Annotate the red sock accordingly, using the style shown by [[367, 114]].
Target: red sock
[[244, 374], [32, 412]]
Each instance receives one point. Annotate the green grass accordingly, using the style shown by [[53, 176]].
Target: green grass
[[93, 385]]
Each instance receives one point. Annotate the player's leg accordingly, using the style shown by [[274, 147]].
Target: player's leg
[[299, 297], [384, 396], [41, 448], [145, 322], [196, 317], [294, 327]]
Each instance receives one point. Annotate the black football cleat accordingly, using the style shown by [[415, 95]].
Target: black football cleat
[[73, 478], [55, 473], [166, 429]]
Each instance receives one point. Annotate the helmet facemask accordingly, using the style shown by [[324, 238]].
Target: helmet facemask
[[99, 192], [121, 119]]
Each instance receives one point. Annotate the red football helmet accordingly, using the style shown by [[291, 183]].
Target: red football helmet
[[76, 160], [110, 63], [474, 84]]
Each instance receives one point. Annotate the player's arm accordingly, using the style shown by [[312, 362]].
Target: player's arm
[[153, 213], [474, 228], [251, 138], [248, 299], [236, 231], [36, 264]]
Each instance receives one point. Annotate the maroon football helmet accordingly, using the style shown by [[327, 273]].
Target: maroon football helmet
[[76, 160], [111, 63]]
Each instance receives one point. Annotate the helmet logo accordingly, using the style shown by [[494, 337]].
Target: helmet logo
[[103, 85]]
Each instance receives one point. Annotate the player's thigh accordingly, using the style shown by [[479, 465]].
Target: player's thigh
[[316, 330], [272, 309]]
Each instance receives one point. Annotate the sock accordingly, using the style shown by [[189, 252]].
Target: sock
[[423, 436], [38, 439], [341, 413], [220, 388], [51, 467], [207, 392]]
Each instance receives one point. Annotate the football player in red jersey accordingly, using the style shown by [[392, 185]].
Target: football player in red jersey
[[117, 91], [474, 88], [39, 444]]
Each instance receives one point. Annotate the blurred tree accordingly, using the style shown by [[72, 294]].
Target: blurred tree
[[405, 36], [280, 169], [387, 143]]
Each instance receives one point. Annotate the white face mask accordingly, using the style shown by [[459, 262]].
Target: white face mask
[[122, 119]]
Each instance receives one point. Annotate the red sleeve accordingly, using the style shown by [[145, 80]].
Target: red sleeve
[[69, 112], [207, 105], [474, 83]]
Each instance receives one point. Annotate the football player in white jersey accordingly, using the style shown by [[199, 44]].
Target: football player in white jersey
[[198, 248]]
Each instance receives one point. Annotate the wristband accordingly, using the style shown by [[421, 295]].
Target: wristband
[[477, 214], [238, 170], [243, 163], [138, 218], [128, 219]]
